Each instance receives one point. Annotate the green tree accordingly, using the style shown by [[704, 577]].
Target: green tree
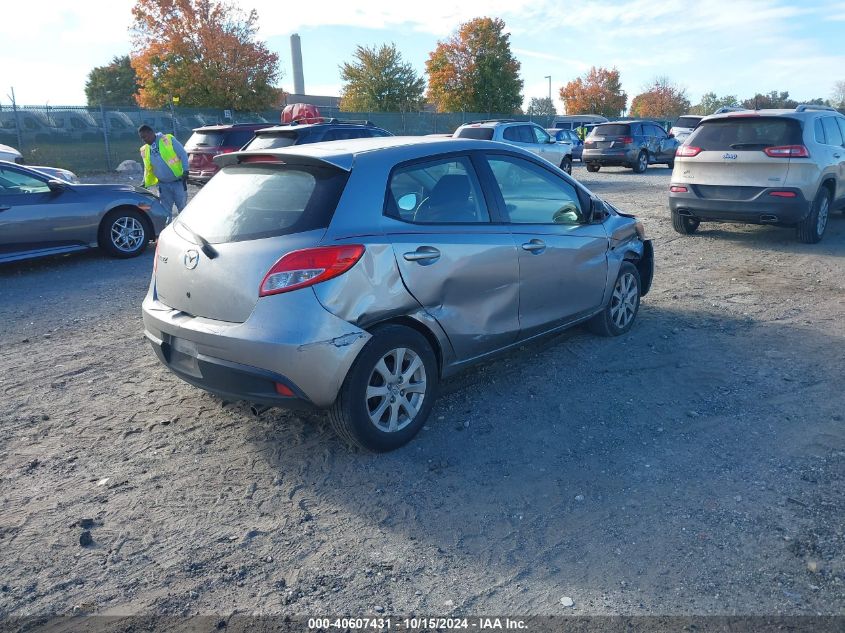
[[599, 91], [203, 51], [774, 99], [379, 81], [710, 103], [837, 98], [541, 107], [114, 84], [474, 70]]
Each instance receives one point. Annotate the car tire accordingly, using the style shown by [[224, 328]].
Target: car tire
[[619, 314], [642, 163], [566, 164], [124, 233], [593, 167], [811, 229], [671, 164], [365, 422], [684, 224]]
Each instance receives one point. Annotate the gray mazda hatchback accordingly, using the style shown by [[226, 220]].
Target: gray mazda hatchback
[[355, 275]]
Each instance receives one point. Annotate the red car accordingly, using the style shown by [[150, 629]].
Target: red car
[[209, 141]]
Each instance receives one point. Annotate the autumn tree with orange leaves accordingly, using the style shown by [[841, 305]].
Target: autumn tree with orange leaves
[[662, 100], [598, 92], [474, 70], [204, 52]]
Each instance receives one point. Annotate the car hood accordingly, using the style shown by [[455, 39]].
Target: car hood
[[113, 187]]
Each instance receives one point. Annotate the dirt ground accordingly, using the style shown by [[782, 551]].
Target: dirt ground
[[693, 466]]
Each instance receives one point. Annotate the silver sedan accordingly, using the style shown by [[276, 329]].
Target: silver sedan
[[356, 275]]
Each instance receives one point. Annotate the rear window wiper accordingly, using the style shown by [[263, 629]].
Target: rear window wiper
[[205, 246]]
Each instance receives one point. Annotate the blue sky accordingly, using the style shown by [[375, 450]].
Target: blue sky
[[728, 46]]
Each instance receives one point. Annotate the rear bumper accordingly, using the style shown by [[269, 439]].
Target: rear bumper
[[610, 157], [762, 209], [288, 339]]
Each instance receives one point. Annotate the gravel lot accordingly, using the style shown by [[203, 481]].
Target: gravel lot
[[694, 466]]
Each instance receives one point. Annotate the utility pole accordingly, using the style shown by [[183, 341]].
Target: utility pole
[[17, 122], [549, 77]]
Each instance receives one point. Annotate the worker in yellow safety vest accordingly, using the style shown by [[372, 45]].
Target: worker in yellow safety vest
[[166, 165]]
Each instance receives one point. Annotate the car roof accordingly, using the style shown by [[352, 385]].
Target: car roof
[[343, 153], [286, 127], [226, 127], [790, 113]]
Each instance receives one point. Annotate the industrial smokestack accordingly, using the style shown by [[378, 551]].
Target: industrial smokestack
[[296, 61]]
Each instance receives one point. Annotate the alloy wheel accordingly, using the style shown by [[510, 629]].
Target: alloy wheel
[[824, 211], [396, 390], [127, 234], [623, 304]]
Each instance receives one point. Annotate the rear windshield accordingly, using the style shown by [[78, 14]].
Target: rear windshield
[[612, 129], [250, 202], [746, 133], [205, 139], [687, 121], [477, 133], [237, 138], [272, 141]]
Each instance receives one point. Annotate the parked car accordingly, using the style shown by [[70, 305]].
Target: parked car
[[330, 129], [356, 275], [684, 126], [781, 167], [78, 123], [571, 137], [42, 216], [574, 121], [208, 141], [120, 125], [634, 144], [528, 136], [34, 125], [10, 154], [57, 172]]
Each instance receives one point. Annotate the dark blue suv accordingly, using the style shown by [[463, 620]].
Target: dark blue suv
[[301, 133]]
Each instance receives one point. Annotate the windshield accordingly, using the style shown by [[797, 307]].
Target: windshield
[[248, 202], [272, 141], [746, 133], [477, 133], [611, 130], [687, 121]]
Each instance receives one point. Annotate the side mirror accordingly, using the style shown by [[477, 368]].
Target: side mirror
[[56, 186], [408, 202], [671, 136]]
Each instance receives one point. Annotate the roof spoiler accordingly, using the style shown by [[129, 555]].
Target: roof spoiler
[[339, 161]]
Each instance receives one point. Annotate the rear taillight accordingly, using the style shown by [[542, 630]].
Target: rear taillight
[[783, 194], [787, 151], [688, 151], [626, 139], [678, 189], [310, 266]]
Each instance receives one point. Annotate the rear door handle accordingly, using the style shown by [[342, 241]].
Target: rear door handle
[[534, 246], [422, 254]]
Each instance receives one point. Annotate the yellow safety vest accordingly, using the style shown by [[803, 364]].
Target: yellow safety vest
[[168, 154]]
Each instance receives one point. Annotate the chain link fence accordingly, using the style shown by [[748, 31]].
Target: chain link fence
[[96, 139]]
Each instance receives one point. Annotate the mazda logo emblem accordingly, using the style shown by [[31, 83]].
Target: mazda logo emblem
[[192, 258]]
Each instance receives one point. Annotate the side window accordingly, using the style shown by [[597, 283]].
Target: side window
[[841, 122], [540, 135], [511, 134], [533, 195], [437, 192], [15, 183], [831, 131], [819, 131], [636, 130], [525, 134], [658, 131]]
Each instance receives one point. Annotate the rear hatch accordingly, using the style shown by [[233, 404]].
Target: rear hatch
[[609, 136], [736, 157], [249, 215], [204, 145]]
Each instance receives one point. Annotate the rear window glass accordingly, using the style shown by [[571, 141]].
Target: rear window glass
[[687, 121], [477, 133], [205, 139], [272, 141], [611, 130], [238, 138], [249, 202], [746, 133]]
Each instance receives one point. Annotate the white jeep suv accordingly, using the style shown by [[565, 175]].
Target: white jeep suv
[[523, 134], [781, 167]]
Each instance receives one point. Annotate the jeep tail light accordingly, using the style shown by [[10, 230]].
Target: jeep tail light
[[309, 266], [787, 151], [678, 189], [688, 151], [626, 139]]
